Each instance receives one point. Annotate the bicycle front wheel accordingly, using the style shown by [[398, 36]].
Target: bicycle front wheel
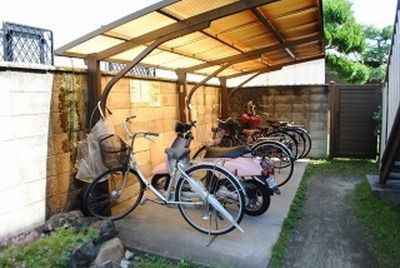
[[114, 194], [221, 185]]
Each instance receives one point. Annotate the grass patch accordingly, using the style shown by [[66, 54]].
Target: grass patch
[[382, 221], [150, 261], [346, 167], [34, 250]]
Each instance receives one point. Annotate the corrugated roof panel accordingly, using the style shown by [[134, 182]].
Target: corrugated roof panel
[[181, 62], [193, 38], [301, 31], [95, 45], [229, 71], [189, 8], [259, 41], [295, 19], [274, 56], [231, 22], [216, 52], [170, 60], [200, 46], [283, 8], [307, 50], [142, 25], [249, 65], [128, 55], [243, 33]]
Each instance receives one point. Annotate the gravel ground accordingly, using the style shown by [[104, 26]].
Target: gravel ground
[[328, 234]]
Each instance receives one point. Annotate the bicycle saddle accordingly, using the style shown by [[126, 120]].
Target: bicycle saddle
[[229, 152], [250, 132], [177, 153]]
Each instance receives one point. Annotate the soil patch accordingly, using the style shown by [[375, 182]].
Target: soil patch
[[328, 234]]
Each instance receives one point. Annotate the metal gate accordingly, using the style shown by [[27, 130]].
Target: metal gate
[[352, 124]]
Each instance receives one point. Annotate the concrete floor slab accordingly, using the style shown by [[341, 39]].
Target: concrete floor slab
[[163, 231]]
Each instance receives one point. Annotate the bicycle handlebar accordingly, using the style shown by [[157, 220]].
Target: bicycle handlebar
[[138, 132], [224, 121]]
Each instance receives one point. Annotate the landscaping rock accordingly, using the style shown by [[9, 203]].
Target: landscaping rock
[[111, 250], [106, 229], [83, 255], [110, 264], [64, 220], [129, 255]]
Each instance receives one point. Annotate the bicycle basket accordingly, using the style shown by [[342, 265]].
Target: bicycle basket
[[114, 151]]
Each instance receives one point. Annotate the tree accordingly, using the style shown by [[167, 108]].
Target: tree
[[344, 41], [376, 53]]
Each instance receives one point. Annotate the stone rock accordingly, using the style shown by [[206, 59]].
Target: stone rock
[[83, 255], [64, 220], [125, 264], [129, 255], [107, 230], [111, 250], [110, 264]]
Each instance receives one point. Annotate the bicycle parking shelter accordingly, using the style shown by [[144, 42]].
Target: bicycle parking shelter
[[223, 39]]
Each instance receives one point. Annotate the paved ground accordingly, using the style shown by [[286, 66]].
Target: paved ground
[[328, 234], [162, 231]]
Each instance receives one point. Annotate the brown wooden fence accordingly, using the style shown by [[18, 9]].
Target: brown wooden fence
[[352, 124]]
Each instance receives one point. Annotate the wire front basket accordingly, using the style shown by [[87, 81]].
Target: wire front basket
[[114, 151]]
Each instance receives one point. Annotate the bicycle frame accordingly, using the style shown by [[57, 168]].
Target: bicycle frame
[[177, 172]]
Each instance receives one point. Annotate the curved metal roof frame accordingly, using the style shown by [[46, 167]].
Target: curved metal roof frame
[[221, 38]]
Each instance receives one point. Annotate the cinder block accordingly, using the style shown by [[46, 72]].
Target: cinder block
[[169, 100], [300, 108], [59, 143], [319, 98], [32, 170], [168, 88], [59, 184], [170, 112], [5, 95], [58, 164], [283, 108], [30, 125], [283, 99], [118, 100], [22, 195], [24, 219]]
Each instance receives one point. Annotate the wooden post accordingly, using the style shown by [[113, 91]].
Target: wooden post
[[94, 90], [224, 101], [181, 87], [332, 112]]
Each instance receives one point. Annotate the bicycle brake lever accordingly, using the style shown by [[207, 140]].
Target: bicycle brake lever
[[148, 138]]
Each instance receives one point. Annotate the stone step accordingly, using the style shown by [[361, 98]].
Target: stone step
[[394, 176]]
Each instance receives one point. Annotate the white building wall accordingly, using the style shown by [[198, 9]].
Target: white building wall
[[24, 120], [307, 73]]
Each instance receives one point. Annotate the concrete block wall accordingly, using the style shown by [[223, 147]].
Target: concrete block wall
[[24, 119], [68, 121], [67, 128], [303, 105]]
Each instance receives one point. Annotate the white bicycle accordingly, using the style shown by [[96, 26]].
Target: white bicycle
[[209, 197]]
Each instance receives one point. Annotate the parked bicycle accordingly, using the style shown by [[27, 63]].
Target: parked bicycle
[[208, 196], [268, 152], [257, 180]]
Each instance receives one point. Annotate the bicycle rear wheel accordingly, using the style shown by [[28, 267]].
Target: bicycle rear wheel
[[277, 155], [114, 194], [286, 139], [308, 141], [221, 185]]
